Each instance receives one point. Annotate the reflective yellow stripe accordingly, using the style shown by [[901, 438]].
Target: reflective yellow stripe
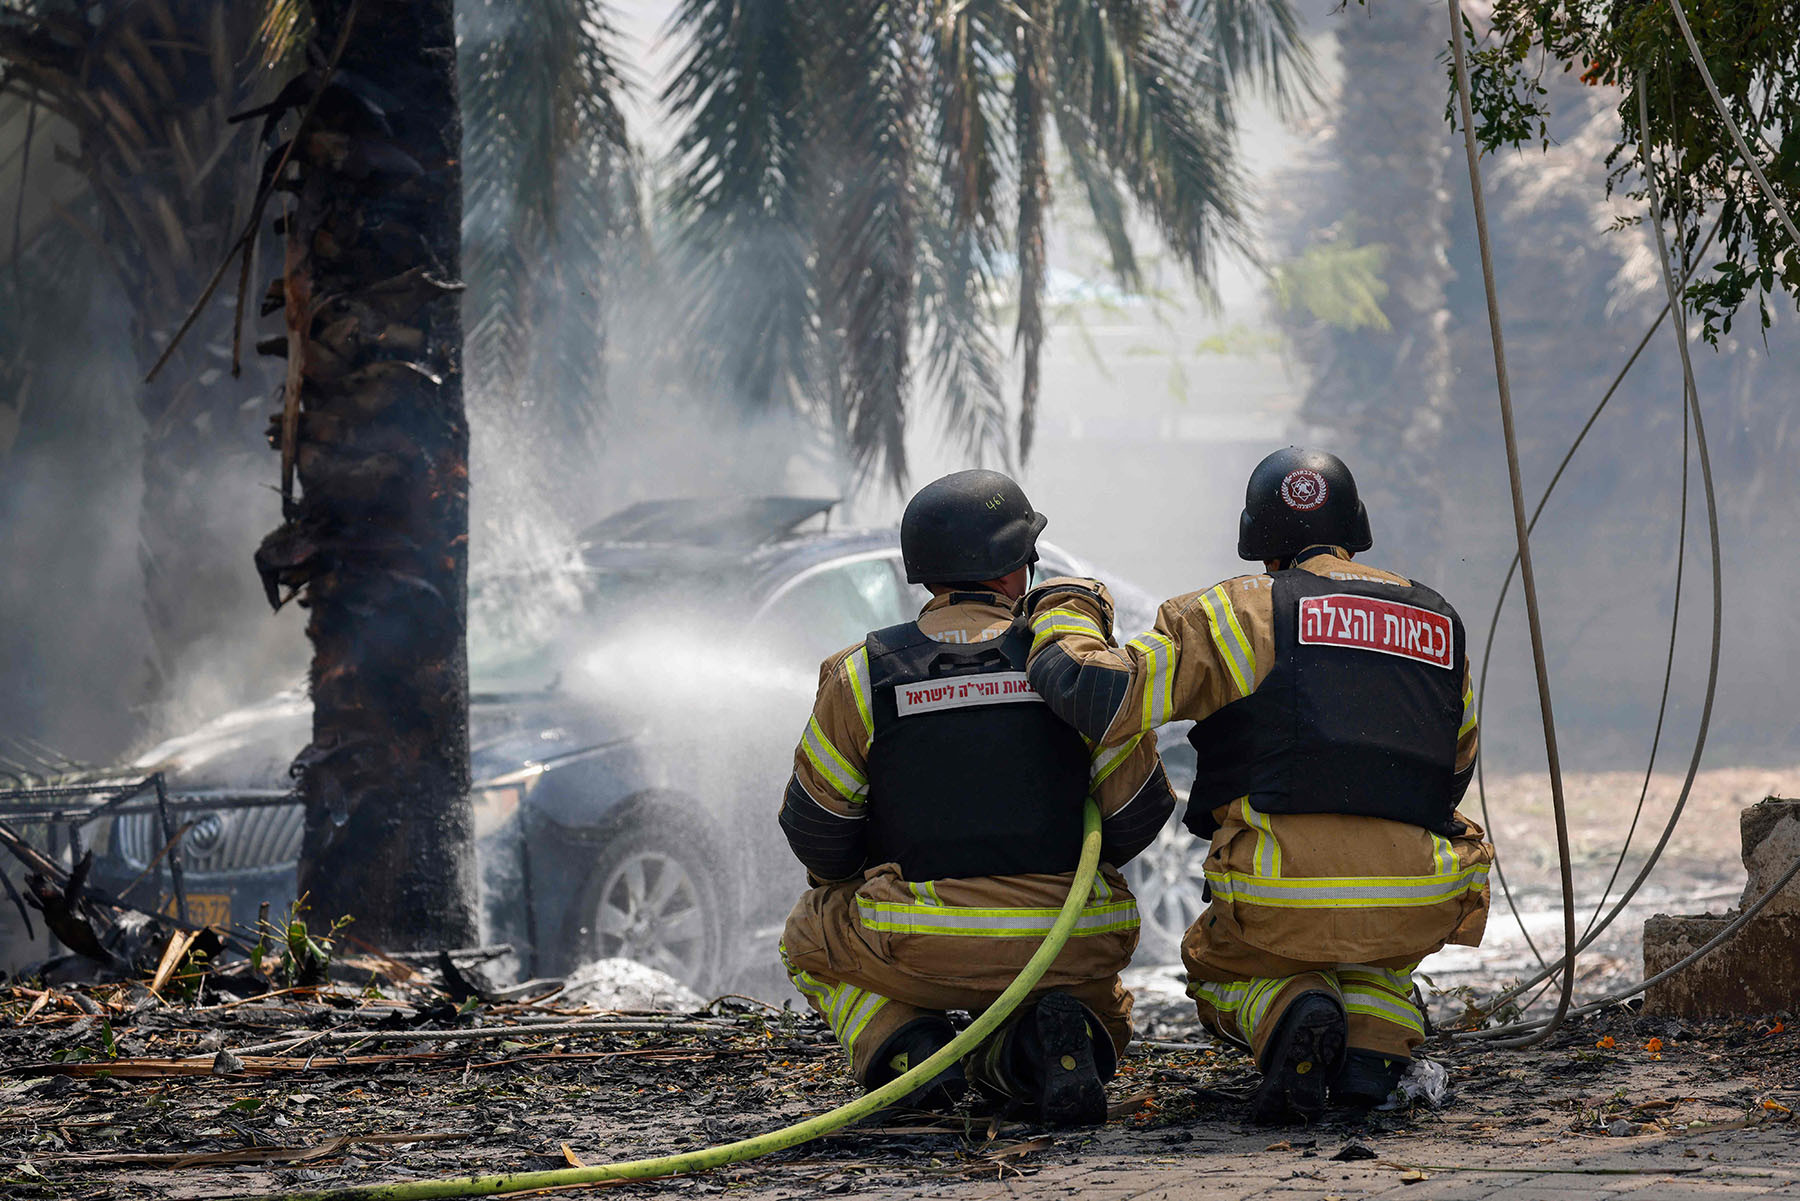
[[1228, 636], [1346, 892], [925, 892], [1268, 848], [1362, 976], [1246, 1002], [847, 1008], [1159, 676], [1468, 717], [811, 987], [850, 783], [858, 664], [1051, 622], [857, 1017], [1443, 854], [961, 922], [1107, 759], [1381, 1004], [1256, 1006]]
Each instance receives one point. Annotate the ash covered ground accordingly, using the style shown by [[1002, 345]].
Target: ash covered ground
[[109, 1091]]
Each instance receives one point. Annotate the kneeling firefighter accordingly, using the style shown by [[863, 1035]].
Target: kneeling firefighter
[[1336, 735], [936, 805]]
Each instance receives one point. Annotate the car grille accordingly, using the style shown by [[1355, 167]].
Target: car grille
[[220, 840]]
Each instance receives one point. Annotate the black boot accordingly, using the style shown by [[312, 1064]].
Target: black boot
[[1368, 1078], [1054, 1058], [1302, 1057], [910, 1046]]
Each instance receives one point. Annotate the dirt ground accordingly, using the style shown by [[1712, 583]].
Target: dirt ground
[[1596, 1112], [109, 1093]]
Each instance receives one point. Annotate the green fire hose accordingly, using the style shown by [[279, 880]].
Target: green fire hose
[[775, 1140]]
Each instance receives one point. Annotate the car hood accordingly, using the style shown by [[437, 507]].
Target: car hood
[[252, 747]]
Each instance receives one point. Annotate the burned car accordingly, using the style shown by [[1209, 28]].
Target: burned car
[[633, 711]]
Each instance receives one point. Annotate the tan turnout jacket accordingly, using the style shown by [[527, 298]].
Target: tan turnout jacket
[[1320, 888], [875, 950]]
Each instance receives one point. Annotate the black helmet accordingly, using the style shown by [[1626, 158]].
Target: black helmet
[[1300, 498], [966, 527]]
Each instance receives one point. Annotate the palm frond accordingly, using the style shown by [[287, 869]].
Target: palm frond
[[1155, 120], [956, 318], [1099, 184], [1031, 99], [962, 169], [966, 54], [550, 196], [868, 244], [744, 227], [1259, 41], [282, 33]]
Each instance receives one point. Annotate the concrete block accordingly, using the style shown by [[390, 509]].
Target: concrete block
[[1758, 969], [1771, 838]]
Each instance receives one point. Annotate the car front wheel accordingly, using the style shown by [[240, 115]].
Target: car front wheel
[[1169, 882], [653, 896]]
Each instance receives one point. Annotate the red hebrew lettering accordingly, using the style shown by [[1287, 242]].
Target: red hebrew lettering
[[996, 688], [1367, 623]]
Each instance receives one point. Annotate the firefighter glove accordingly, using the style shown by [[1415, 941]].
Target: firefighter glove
[[1046, 595]]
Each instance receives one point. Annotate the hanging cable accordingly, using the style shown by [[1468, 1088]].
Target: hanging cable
[[1737, 137], [1487, 654], [1596, 929], [1662, 704], [1527, 577], [1487, 650], [1692, 394]]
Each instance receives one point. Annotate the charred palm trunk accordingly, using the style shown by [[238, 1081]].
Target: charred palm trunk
[[374, 433]]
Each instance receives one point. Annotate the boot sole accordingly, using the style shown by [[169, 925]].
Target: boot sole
[[1072, 1094], [1307, 1052]]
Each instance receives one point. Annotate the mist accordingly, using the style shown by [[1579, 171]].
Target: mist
[[1155, 406]]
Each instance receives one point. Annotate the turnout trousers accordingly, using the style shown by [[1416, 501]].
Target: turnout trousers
[[871, 955], [1332, 903], [1377, 1002]]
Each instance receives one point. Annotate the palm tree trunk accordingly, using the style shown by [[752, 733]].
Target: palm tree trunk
[[376, 435], [1382, 396]]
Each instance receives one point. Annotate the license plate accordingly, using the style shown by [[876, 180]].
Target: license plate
[[205, 909]]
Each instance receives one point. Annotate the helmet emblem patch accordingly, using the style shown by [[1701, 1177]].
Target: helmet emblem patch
[[1304, 489]]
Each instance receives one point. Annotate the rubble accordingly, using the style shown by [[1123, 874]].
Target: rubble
[[151, 1100], [627, 984]]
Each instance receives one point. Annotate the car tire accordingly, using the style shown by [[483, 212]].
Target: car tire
[[1168, 880], [656, 891]]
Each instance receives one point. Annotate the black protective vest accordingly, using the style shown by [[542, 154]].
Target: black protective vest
[[969, 773], [1358, 715]]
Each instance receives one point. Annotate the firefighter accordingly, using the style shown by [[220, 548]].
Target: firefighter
[[1335, 737], [936, 805]]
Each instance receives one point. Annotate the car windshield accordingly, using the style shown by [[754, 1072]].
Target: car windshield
[[524, 625]]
